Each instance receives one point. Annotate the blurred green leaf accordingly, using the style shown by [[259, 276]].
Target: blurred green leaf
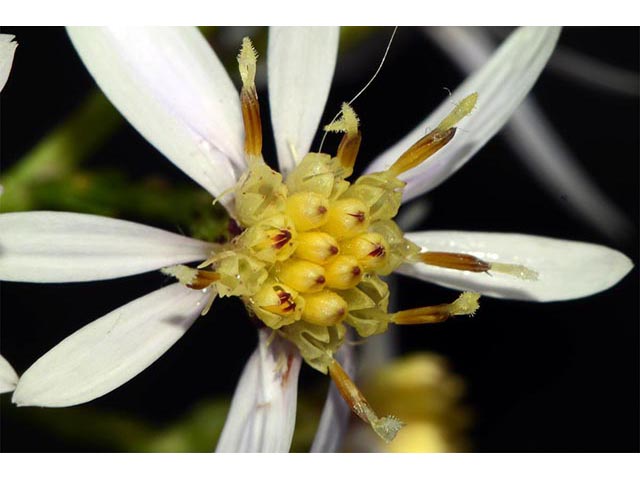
[[55, 156]]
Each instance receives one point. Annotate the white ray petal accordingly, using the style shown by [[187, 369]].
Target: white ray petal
[[534, 139], [110, 351], [594, 72], [501, 84], [8, 376], [7, 50], [549, 158], [172, 88], [566, 269], [336, 413], [301, 62], [74, 247], [263, 411]]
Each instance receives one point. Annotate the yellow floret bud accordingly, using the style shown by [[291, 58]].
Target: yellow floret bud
[[277, 305], [317, 247], [370, 249], [307, 210], [343, 272], [348, 217], [302, 275], [324, 308]]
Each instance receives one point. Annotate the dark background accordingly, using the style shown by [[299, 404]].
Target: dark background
[[558, 377]]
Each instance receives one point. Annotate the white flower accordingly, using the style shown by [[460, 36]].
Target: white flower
[[172, 88]]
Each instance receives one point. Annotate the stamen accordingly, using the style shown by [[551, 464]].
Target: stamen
[[424, 148], [434, 140], [348, 151], [466, 304], [286, 305], [455, 261], [282, 303], [281, 238], [385, 427], [192, 278], [247, 60], [273, 238], [359, 215], [469, 263], [204, 279]]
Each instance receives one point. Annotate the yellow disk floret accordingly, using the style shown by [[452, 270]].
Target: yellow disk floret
[[343, 272], [317, 247], [347, 217], [370, 249], [307, 210], [324, 308], [302, 275]]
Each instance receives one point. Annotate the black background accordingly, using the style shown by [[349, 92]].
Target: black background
[[558, 377]]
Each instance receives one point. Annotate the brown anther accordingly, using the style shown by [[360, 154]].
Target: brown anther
[[348, 150], [287, 301], [234, 228], [333, 250], [203, 279], [454, 261], [385, 427], [322, 209], [465, 304], [418, 316], [356, 271], [378, 251], [360, 215], [252, 122], [422, 149], [286, 304], [281, 239], [348, 390], [321, 280]]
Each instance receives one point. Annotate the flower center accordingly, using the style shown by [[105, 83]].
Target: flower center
[[308, 260]]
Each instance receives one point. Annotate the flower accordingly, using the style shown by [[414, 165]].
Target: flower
[[172, 88]]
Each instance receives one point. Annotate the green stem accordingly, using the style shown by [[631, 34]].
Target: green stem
[[54, 157]]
